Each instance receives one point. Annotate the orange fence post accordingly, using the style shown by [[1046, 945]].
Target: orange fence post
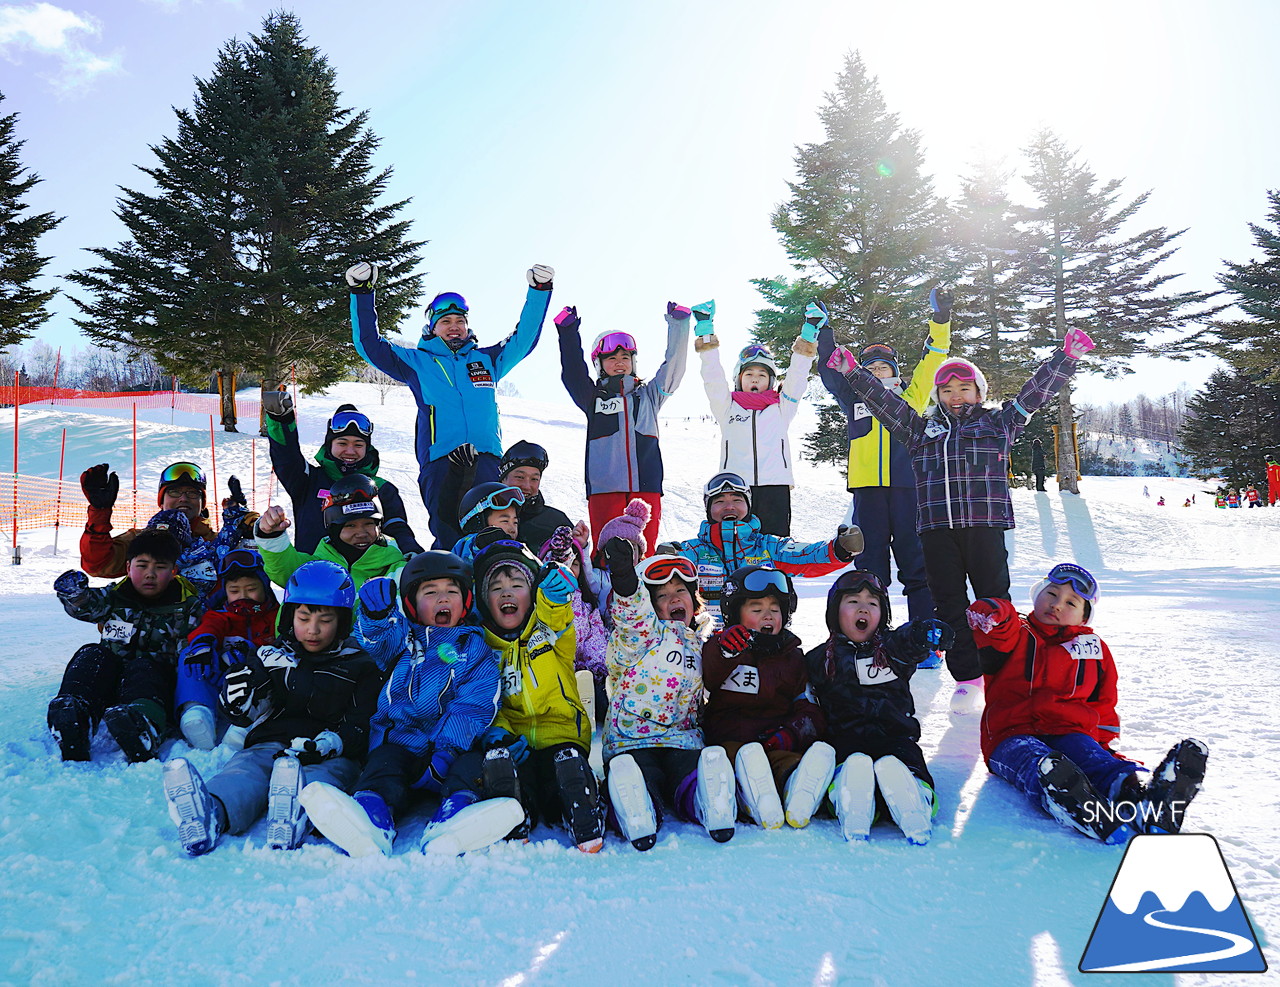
[[16, 404], [135, 464], [57, 511], [213, 456], [253, 471]]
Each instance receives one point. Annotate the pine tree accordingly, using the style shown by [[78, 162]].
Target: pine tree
[[264, 197], [829, 442], [1233, 427], [23, 309], [1083, 270]]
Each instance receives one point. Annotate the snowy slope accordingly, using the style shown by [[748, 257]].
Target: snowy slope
[[97, 889]]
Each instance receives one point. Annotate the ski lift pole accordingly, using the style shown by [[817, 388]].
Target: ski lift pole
[[17, 555], [57, 510]]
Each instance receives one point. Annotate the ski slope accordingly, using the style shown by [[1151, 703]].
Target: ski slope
[[96, 888]]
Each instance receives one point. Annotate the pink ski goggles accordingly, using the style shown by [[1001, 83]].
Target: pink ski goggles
[[954, 371], [612, 342]]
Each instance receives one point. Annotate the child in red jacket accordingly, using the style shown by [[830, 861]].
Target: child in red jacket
[[246, 622], [1051, 716]]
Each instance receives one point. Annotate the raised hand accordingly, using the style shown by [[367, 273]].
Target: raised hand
[[73, 582], [362, 277], [237, 497], [378, 597], [278, 404], [815, 317], [567, 319], [273, 520], [558, 583], [940, 301], [704, 314], [1077, 343], [849, 541], [841, 360], [677, 311], [540, 276], [100, 487]]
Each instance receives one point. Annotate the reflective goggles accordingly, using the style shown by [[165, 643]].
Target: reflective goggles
[[878, 351], [856, 579], [763, 580], [447, 303], [725, 483], [1080, 578], [499, 500], [753, 351], [242, 559], [182, 473], [664, 568], [356, 496], [343, 420], [954, 371], [612, 342]]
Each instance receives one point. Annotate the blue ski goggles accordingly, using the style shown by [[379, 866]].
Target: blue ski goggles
[[446, 303], [241, 561], [346, 422], [763, 580], [499, 500], [1080, 579]]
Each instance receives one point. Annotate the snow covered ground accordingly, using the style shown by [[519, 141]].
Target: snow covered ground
[[96, 888]]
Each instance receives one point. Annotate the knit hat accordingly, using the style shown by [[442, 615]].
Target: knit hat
[[629, 525], [560, 546], [965, 370], [175, 523], [500, 555], [879, 352], [520, 454]]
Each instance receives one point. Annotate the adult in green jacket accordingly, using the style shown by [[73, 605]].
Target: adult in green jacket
[[354, 541]]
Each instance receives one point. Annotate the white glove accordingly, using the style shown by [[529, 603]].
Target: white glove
[[540, 276], [362, 276]]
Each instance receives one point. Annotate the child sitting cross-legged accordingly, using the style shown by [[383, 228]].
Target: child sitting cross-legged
[[306, 699], [861, 677], [757, 709], [440, 697]]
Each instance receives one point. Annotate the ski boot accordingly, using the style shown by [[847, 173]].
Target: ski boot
[[1069, 798], [714, 801], [191, 806], [632, 806], [286, 819], [933, 659], [71, 726], [580, 800], [133, 731], [854, 794], [968, 697], [587, 693], [756, 787], [1173, 785], [462, 823], [198, 728], [499, 779], [360, 824], [808, 784], [910, 800]]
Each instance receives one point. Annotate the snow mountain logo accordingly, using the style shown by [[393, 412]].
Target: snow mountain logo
[[1173, 908]]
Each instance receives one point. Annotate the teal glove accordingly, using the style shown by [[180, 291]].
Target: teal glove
[[704, 315]]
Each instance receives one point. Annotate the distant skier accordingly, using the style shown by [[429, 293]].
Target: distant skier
[[1037, 463], [1273, 482]]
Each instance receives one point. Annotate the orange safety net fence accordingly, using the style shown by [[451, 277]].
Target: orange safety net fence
[[201, 404]]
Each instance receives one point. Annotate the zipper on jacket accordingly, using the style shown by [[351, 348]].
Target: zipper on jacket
[[946, 470], [755, 450], [630, 437]]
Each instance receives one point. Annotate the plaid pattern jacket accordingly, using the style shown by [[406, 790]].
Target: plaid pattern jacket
[[962, 464]]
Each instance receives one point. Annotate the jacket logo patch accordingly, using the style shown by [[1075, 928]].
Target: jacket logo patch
[[117, 631], [541, 641], [744, 678], [1084, 647], [479, 374], [609, 406]]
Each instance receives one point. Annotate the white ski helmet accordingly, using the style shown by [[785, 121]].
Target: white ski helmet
[[759, 355], [964, 370]]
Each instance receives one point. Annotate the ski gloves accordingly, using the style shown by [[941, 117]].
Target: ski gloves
[[704, 315], [567, 319], [931, 635], [326, 744], [848, 542], [246, 686], [621, 556], [278, 404], [362, 277], [735, 640], [100, 487], [540, 276], [815, 317], [464, 456], [73, 582], [558, 583], [987, 615], [1077, 343], [378, 597], [940, 301], [498, 737]]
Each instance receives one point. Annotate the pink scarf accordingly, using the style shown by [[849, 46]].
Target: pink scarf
[[756, 400]]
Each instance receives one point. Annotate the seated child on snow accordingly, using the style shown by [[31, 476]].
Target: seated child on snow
[[246, 621], [755, 416], [306, 699], [126, 680], [960, 456], [861, 677], [757, 708], [1051, 716], [440, 696], [486, 512], [653, 749], [538, 745], [588, 625]]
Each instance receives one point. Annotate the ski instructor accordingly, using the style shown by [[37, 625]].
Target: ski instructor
[[454, 381]]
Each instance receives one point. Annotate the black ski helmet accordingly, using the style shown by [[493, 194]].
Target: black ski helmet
[[351, 497], [725, 483], [522, 453], [483, 498], [497, 555], [850, 581], [755, 582], [434, 564]]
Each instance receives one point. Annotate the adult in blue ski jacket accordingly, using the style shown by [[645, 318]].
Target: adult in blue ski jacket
[[454, 381]]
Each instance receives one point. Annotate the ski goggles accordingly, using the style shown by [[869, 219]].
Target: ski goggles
[[1080, 579], [446, 303], [725, 483], [878, 351], [955, 371], [242, 560], [499, 500], [611, 342], [763, 580], [188, 473], [754, 352], [356, 496], [661, 569], [342, 421], [856, 579]]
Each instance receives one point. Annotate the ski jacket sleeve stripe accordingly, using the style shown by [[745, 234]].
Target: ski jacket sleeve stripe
[[803, 559], [715, 384], [506, 354], [373, 349], [573, 372], [669, 375]]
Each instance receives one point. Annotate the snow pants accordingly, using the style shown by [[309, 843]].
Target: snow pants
[[395, 773], [1016, 760], [887, 517], [98, 679], [953, 559], [442, 484], [604, 507], [772, 506], [243, 785], [539, 789], [664, 768], [876, 746]]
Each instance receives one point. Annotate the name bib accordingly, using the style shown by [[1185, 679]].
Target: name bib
[[1084, 647], [117, 631], [744, 678]]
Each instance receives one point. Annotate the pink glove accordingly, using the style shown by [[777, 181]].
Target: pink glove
[[678, 311], [841, 360], [1077, 343]]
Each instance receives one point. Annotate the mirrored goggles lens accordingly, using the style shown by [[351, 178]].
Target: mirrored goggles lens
[[241, 558], [856, 579], [754, 350], [954, 371], [344, 420], [763, 580], [178, 472], [447, 303], [722, 482], [662, 570], [612, 342], [1079, 577]]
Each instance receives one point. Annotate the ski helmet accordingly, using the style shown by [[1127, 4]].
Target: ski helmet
[[483, 498], [725, 483], [608, 343], [352, 497], [1081, 581], [181, 475], [755, 582], [321, 584], [879, 353], [755, 355], [176, 523], [242, 562], [434, 564], [520, 454], [958, 369], [446, 303], [850, 581]]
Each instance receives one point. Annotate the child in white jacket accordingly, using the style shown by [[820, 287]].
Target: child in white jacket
[[755, 415], [653, 750]]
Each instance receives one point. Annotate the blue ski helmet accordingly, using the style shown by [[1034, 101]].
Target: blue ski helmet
[[321, 584]]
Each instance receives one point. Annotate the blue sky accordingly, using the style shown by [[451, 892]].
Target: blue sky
[[640, 148]]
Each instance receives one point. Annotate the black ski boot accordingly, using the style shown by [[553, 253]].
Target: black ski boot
[[580, 799], [71, 726], [1074, 802], [1174, 784], [136, 735], [499, 779]]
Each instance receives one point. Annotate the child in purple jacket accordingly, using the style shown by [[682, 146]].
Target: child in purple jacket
[[960, 455]]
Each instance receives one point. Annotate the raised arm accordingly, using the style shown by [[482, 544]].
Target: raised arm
[[506, 354], [668, 376], [573, 366], [373, 349]]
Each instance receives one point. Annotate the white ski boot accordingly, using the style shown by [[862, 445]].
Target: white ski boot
[[361, 824], [190, 806], [713, 794], [587, 695], [756, 787], [474, 827], [632, 806], [286, 819], [910, 800], [854, 794], [198, 729], [808, 784], [968, 697]]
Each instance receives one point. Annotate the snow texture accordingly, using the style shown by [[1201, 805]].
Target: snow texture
[[96, 888]]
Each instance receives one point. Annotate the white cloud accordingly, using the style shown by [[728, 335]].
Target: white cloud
[[45, 30]]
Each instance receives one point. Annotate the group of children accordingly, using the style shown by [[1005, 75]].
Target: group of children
[[387, 672]]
